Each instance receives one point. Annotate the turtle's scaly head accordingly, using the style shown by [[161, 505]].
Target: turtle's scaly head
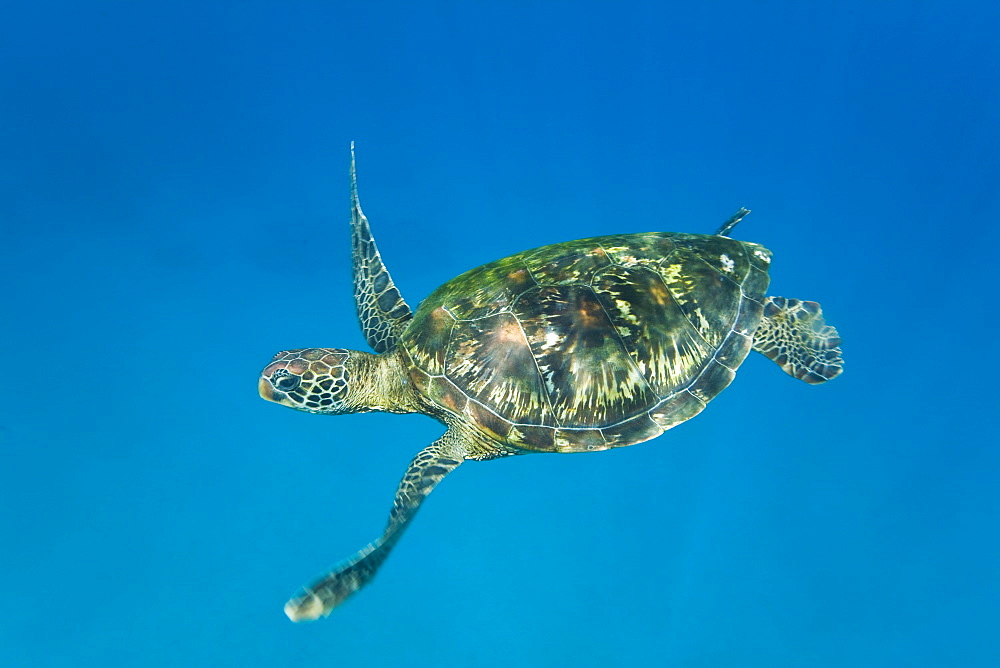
[[316, 380]]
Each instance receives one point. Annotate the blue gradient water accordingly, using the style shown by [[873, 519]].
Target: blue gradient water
[[173, 207]]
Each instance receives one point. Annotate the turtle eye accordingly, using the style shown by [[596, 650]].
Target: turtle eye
[[284, 381]]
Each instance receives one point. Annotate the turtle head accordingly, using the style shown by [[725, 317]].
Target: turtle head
[[317, 380]]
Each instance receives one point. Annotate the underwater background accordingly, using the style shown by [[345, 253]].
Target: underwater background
[[174, 210]]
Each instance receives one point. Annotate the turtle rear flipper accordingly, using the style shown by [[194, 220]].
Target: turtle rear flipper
[[794, 335]]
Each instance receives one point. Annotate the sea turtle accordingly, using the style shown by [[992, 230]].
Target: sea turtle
[[573, 347]]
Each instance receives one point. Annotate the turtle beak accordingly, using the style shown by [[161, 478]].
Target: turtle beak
[[265, 389]]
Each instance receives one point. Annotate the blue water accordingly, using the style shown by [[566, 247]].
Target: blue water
[[173, 210]]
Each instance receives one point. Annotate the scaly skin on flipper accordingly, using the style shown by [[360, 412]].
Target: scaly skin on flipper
[[794, 335], [381, 310], [427, 469]]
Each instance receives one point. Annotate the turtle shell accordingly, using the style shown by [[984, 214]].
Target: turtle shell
[[589, 344]]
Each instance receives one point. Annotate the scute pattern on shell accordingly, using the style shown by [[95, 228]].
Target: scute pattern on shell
[[589, 344]]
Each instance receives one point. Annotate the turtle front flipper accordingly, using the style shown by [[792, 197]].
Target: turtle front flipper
[[427, 469], [794, 335], [381, 310]]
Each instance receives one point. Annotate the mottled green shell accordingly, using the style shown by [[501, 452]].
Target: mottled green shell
[[589, 344]]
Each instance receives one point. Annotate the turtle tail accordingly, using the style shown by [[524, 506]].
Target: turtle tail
[[794, 335]]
